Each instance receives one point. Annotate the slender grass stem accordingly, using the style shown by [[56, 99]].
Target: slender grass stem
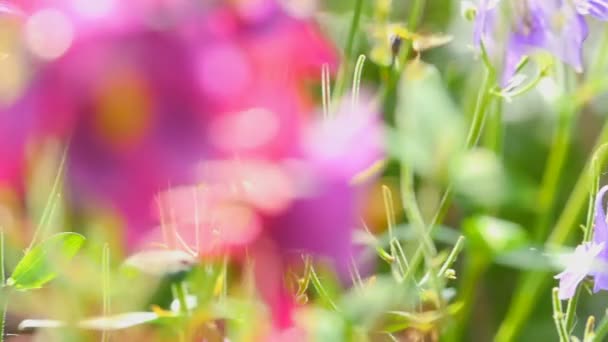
[[51, 202], [452, 256], [105, 273], [180, 293], [341, 78], [357, 79], [316, 283], [602, 328], [493, 138], [558, 316], [557, 159], [589, 335], [427, 247], [472, 273], [484, 100], [3, 289]]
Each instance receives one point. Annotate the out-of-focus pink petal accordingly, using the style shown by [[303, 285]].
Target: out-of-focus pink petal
[[15, 126], [348, 142]]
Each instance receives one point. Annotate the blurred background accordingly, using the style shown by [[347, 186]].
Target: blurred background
[[235, 170]]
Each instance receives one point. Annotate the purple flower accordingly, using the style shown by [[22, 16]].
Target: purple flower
[[588, 258], [579, 265], [595, 8], [600, 237], [554, 26]]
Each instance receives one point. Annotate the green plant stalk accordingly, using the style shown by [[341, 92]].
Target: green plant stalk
[[473, 271], [555, 164], [105, 274], [484, 100], [571, 309], [558, 316], [3, 288], [589, 334], [341, 78], [602, 328], [532, 283], [427, 246], [51, 202], [493, 138], [316, 283], [179, 292], [357, 80], [452, 256]]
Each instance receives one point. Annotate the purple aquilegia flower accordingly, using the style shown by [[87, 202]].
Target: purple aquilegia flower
[[579, 265], [596, 8], [586, 257], [554, 26]]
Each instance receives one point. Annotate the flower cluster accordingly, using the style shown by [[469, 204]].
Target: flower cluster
[[554, 26], [193, 117]]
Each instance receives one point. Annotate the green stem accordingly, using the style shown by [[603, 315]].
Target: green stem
[[179, 292], [571, 309], [3, 289], [602, 328], [4, 294], [558, 316], [427, 247], [316, 283], [484, 99], [557, 159], [473, 272], [452, 257], [51, 202], [532, 283], [589, 334], [493, 139], [348, 49], [105, 275]]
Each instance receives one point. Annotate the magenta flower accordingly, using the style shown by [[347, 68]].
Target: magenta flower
[[588, 259], [142, 105], [13, 128], [279, 210]]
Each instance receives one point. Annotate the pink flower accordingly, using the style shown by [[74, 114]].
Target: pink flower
[[144, 100], [278, 210]]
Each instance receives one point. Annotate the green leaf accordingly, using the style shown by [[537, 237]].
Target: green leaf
[[431, 129], [39, 265], [494, 236]]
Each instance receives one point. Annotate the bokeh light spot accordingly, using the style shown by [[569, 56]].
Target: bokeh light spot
[[248, 129], [49, 34], [93, 9], [223, 71]]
